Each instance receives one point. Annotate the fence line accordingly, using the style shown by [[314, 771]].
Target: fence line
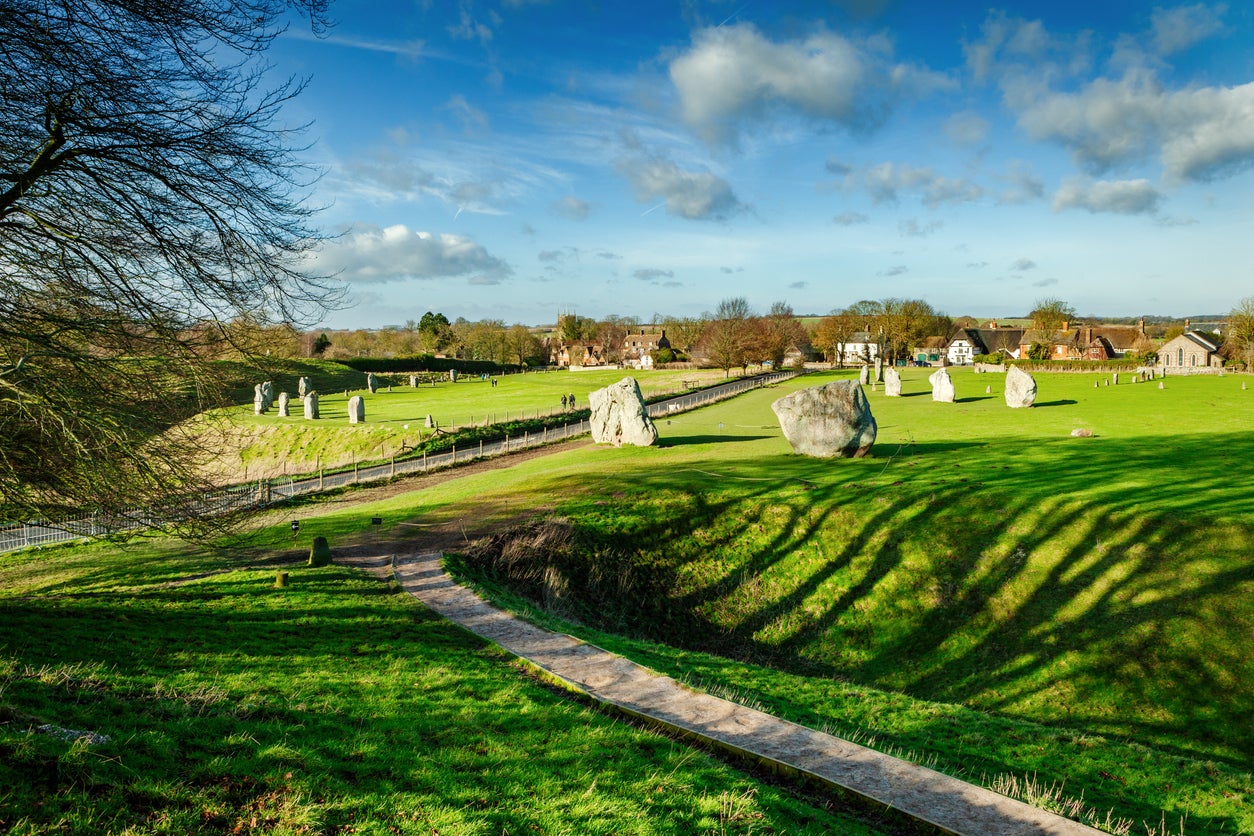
[[265, 492]]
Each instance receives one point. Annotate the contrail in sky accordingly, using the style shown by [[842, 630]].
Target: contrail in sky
[[647, 211]]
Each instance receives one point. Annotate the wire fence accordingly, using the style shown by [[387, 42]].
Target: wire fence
[[265, 492]]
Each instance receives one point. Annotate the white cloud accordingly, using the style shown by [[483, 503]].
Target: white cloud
[[850, 219], [652, 274], [966, 128], [1022, 185], [372, 254], [1178, 29], [697, 195], [886, 181], [1199, 134], [1122, 197], [734, 73], [1022, 265], [572, 207], [911, 228]]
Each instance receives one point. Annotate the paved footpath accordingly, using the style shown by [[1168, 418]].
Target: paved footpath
[[950, 804]]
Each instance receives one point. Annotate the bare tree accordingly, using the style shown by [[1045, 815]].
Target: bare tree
[[833, 332], [1051, 314], [727, 339], [775, 333], [149, 194], [1241, 330]]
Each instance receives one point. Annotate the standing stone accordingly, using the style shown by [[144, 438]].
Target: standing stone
[[430, 423], [864, 375], [372, 385], [311, 405], [829, 421], [302, 387], [879, 369], [1160, 384], [619, 415], [284, 400], [267, 392], [259, 400], [988, 390], [942, 386], [452, 375], [892, 383], [356, 410], [1020, 388], [1114, 379], [413, 381]]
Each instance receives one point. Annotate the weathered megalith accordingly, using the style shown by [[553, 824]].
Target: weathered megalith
[[267, 392], [302, 387], [372, 385], [942, 386], [356, 410], [619, 415], [320, 552], [311, 405], [452, 375], [259, 401], [430, 423], [284, 400], [892, 383], [1020, 388], [829, 421], [864, 375], [879, 369], [413, 381]]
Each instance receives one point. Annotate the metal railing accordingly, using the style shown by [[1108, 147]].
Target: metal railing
[[266, 492]]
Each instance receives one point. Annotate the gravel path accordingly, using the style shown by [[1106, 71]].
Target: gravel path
[[924, 794]]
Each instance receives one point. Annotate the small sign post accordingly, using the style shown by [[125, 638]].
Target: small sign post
[[295, 530]]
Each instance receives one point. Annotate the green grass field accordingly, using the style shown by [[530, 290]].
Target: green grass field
[[336, 705], [1087, 600], [267, 445], [984, 594]]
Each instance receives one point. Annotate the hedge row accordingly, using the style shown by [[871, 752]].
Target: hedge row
[[426, 363]]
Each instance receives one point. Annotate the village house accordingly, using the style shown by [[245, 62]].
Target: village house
[[860, 348], [639, 345], [970, 342], [1190, 350]]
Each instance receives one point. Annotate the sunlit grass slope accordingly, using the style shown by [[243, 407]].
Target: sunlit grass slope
[[267, 445], [1100, 591], [336, 705]]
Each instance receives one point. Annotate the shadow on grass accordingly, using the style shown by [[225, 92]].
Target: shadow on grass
[[683, 440], [1012, 575], [1061, 402]]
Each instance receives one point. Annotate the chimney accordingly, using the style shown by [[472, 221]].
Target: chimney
[[993, 325], [1186, 325]]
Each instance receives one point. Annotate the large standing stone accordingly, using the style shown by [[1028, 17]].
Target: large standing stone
[[879, 369], [452, 375], [864, 375], [260, 404], [1020, 388], [430, 423], [311, 405], [892, 383], [284, 400], [829, 421], [356, 410], [413, 381], [619, 416], [372, 385], [942, 386], [302, 387]]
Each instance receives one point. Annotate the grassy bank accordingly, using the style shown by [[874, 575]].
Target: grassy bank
[[1022, 602], [332, 706], [263, 446]]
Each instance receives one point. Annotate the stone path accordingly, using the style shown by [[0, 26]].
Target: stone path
[[950, 804]]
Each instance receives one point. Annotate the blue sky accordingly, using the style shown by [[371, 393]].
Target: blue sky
[[510, 159]]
